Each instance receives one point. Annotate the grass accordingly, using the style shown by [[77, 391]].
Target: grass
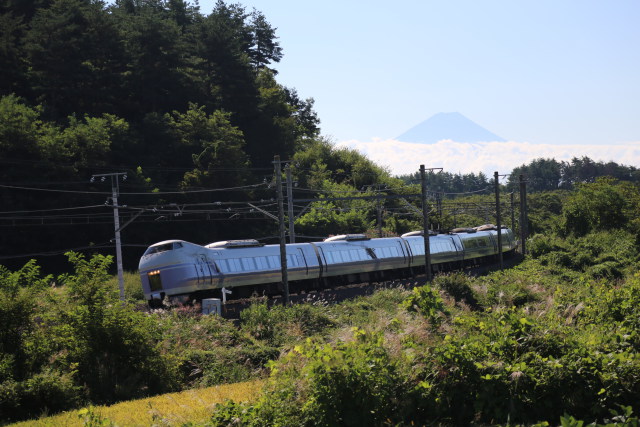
[[191, 406]]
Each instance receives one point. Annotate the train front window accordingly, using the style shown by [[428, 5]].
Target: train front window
[[163, 248]]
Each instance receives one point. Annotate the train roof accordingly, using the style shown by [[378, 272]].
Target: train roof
[[164, 242], [347, 237], [419, 233], [229, 244]]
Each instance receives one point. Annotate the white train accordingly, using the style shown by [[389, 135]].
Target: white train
[[184, 271]]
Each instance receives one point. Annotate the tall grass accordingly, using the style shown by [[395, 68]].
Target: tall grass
[[191, 406]]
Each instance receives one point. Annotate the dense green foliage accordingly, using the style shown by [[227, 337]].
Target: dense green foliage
[[549, 174], [66, 343], [178, 99], [553, 338], [189, 105]]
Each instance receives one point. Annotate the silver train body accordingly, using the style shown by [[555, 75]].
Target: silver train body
[[183, 270]]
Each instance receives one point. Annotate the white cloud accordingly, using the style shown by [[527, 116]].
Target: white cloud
[[462, 157]]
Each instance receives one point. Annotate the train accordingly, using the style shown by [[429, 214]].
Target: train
[[181, 271]]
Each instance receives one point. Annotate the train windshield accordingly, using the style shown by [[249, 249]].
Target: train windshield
[[163, 248]]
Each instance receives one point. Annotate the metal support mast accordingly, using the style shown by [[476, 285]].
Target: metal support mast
[[498, 219], [292, 233], [523, 215], [283, 242], [425, 221], [115, 191]]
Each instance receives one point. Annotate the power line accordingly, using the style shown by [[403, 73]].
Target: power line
[[53, 209], [210, 190], [105, 245]]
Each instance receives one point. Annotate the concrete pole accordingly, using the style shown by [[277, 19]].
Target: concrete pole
[[425, 221], [523, 215], [283, 241], [498, 219], [292, 232]]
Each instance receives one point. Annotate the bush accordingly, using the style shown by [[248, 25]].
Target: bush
[[277, 325], [458, 285], [426, 301], [132, 286], [348, 383], [601, 205], [542, 244]]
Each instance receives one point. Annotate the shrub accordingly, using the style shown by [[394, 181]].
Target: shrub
[[541, 244], [426, 301], [595, 206], [458, 285], [278, 324], [348, 383]]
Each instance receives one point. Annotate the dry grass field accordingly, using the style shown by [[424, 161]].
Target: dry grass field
[[191, 406]]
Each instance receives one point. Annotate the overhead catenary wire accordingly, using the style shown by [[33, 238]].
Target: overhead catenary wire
[[209, 190]]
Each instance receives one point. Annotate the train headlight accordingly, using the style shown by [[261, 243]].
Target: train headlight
[[155, 283]]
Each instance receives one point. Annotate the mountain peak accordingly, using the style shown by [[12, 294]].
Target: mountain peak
[[452, 126]]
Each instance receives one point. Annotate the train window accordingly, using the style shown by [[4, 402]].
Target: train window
[[337, 256], [161, 248], [389, 252], [274, 261], [418, 249], [234, 264], [248, 264], [222, 265], [356, 255], [262, 263], [292, 261], [482, 243]]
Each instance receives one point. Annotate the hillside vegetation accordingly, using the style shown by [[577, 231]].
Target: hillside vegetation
[[188, 104], [556, 336]]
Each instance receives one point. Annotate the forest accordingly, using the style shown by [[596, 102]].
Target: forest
[[187, 106]]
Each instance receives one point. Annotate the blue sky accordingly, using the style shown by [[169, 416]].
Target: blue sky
[[546, 73]]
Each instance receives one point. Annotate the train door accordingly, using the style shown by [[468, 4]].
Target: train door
[[404, 252], [322, 263], [494, 241], [203, 268], [306, 265]]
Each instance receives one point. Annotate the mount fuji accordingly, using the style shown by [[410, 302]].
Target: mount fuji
[[452, 126]]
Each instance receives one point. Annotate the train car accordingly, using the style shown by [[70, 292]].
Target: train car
[[181, 270], [356, 257]]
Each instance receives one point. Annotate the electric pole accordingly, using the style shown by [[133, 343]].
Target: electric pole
[[425, 222], [292, 233], [115, 191], [498, 219], [523, 215], [283, 242]]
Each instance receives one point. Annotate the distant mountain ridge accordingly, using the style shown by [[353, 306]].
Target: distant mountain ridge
[[452, 126]]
